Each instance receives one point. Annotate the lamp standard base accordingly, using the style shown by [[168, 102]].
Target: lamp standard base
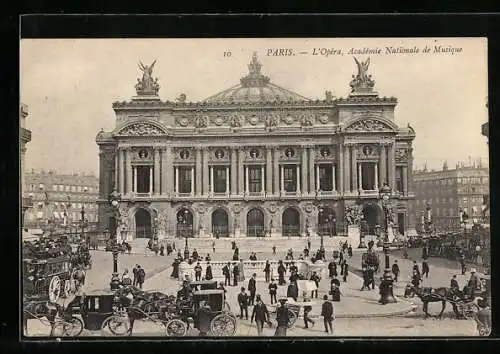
[[115, 282], [362, 243], [386, 289]]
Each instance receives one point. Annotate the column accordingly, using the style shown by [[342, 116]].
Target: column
[[128, 167], [234, 172], [117, 166], [347, 168], [241, 173], [198, 172], [163, 183], [353, 168], [246, 180], [334, 186], [282, 180], [392, 167], [276, 173], [410, 170], [121, 171], [192, 181], [297, 169], [227, 180], [360, 177], [156, 189], [150, 180], [376, 176], [341, 168], [405, 180], [383, 165], [262, 186], [212, 179], [206, 181], [312, 187], [317, 178], [176, 179], [303, 170], [269, 170], [135, 179]]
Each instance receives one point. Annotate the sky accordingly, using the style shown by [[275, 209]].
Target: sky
[[69, 86]]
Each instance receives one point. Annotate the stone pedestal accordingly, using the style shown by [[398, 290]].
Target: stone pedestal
[[390, 233], [353, 234]]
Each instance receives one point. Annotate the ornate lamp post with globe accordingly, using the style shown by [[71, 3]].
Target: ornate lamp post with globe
[[386, 285], [114, 200]]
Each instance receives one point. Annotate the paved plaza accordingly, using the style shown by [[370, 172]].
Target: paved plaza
[[357, 314]]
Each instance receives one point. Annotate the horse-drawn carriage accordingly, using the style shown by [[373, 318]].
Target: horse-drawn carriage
[[80, 256]]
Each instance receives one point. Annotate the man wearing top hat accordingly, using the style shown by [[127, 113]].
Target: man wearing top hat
[[260, 314]]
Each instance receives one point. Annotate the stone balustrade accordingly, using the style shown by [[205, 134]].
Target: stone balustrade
[[306, 268]]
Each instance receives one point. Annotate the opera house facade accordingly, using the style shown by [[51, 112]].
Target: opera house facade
[[255, 160]]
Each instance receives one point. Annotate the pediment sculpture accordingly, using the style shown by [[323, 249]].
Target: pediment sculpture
[[307, 119], [235, 120], [201, 121], [369, 125], [362, 81], [272, 120], [141, 129]]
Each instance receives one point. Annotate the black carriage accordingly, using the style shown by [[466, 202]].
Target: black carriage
[[203, 285], [207, 313]]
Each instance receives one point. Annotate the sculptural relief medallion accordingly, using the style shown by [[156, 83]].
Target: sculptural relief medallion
[[253, 120], [183, 121], [289, 119], [219, 120], [323, 119]]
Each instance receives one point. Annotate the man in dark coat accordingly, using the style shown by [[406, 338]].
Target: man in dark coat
[[335, 289], [395, 270], [349, 251], [197, 272], [282, 319], [293, 277], [134, 271], [260, 314], [328, 315], [243, 302], [252, 287], [141, 276], [208, 272], [315, 278], [346, 270], [236, 274], [273, 289], [281, 273], [267, 271], [307, 310], [227, 274], [332, 269], [175, 269], [292, 291], [415, 268], [293, 268], [425, 269]]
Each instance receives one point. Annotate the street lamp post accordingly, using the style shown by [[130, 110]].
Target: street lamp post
[[114, 200], [386, 285], [184, 223]]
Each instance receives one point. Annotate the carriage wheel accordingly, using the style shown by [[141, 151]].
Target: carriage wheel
[[176, 328], [54, 288], [68, 329], [223, 325], [470, 311], [292, 318], [117, 325]]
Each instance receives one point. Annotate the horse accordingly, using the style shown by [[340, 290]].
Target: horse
[[140, 304], [39, 309], [429, 295]]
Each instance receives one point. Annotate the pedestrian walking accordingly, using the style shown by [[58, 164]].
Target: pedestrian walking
[[236, 273], [260, 314], [416, 269], [141, 276], [273, 289], [243, 302], [252, 288], [328, 314], [395, 270], [425, 269], [332, 269], [281, 273], [274, 250], [346, 271], [307, 310], [213, 246], [173, 246], [134, 271], [227, 274], [282, 319], [349, 251], [267, 271], [308, 243], [162, 250], [197, 272], [126, 281], [175, 269], [316, 279], [335, 289], [208, 272], [415, 279]]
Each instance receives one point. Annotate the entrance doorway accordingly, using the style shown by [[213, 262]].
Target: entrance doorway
[[327, 222], [371, 214], [401, 223], [143, 224], [220, 223], [291, 222], [184, 219], [255, 223]]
